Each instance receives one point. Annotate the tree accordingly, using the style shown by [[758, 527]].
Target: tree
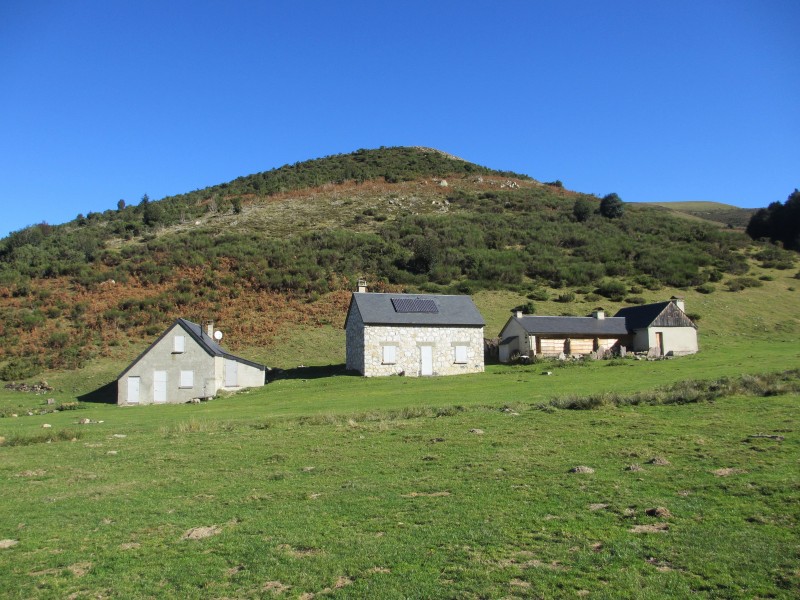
[[778, 222], [582, 209], [121, 204], [612, 206]]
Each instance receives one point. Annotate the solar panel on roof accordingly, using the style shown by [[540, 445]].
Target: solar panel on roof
[[414, 305]]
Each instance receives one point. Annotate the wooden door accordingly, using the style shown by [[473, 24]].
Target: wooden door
[[660, 342]]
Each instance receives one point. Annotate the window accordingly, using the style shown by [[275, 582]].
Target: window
[[460, 354], [187, 379], [389, 355], [178, 344]]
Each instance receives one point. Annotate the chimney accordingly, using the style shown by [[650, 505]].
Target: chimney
[[518, 313], [678, 301], [209, 329], [362, 286], [599, 314]]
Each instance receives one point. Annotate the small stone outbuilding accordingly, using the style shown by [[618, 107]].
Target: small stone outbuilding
[[413, 334], [185, 363]]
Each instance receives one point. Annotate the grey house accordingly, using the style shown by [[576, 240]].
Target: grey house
[[662, 328], [413, 334], [183, 364]]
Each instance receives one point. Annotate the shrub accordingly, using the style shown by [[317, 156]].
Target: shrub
[[566, 297], [539, 294], [612, 289], [635, 300], [612, 207], [706, 288], [19, 368], [740, 283]]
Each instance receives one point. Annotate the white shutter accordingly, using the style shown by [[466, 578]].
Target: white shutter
[[179, 344], [389, 355], [461, 355], [187, 379]]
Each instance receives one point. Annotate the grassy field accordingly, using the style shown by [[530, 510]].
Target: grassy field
[[326, 485]]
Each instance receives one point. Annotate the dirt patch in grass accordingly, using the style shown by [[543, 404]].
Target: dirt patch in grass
[[659, 461], [658, 511], [425, 494], [275, 587], [597, 506], [299, 552], [80, 569], [381, 570], [654, 528], [199, 533], [8, 543], [33, 473], [727, 472], [129, 546], [519, 583]]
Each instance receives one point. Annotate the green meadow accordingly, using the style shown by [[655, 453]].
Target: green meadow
[[331, 486]]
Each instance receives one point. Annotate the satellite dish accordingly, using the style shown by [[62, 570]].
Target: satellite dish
[[218, 335]]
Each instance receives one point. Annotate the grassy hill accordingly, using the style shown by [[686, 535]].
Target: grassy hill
[[715, 212], [274, 253]]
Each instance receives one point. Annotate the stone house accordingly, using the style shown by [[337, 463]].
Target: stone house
[[183, 364], [661, 328], [413, 334]]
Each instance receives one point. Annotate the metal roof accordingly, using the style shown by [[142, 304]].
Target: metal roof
[[380, 309], [665, 314], [583, 326], [195, 331]]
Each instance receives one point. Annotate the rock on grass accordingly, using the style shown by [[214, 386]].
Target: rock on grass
[[581, 469]]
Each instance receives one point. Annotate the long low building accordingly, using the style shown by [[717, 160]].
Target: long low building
[[662, 328]]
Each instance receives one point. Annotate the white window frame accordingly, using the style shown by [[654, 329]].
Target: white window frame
[[460, 356], [179, 344], [187, 379], [388, 354]]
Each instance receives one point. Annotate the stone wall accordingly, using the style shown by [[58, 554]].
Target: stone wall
[[407, 341]]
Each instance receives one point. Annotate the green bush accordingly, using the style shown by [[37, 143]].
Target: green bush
[[740, 283], [20, 368], [706, 288], [612, 289]]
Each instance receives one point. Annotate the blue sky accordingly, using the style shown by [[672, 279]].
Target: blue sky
[[657, 101]]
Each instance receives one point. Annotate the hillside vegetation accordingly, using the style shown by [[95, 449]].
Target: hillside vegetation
[[715, 212], [276, 250]]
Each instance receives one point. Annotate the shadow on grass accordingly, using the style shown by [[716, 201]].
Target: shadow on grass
[[106, 394], [317, 372]]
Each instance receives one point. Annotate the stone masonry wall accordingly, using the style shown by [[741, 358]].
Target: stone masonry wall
[[408, 339]]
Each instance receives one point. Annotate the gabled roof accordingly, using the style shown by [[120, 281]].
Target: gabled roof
[[584, 326], [195, 331], [664, 314], [415, 309]]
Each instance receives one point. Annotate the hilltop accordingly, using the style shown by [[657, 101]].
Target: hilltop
[[715, 212], [270, 252]]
